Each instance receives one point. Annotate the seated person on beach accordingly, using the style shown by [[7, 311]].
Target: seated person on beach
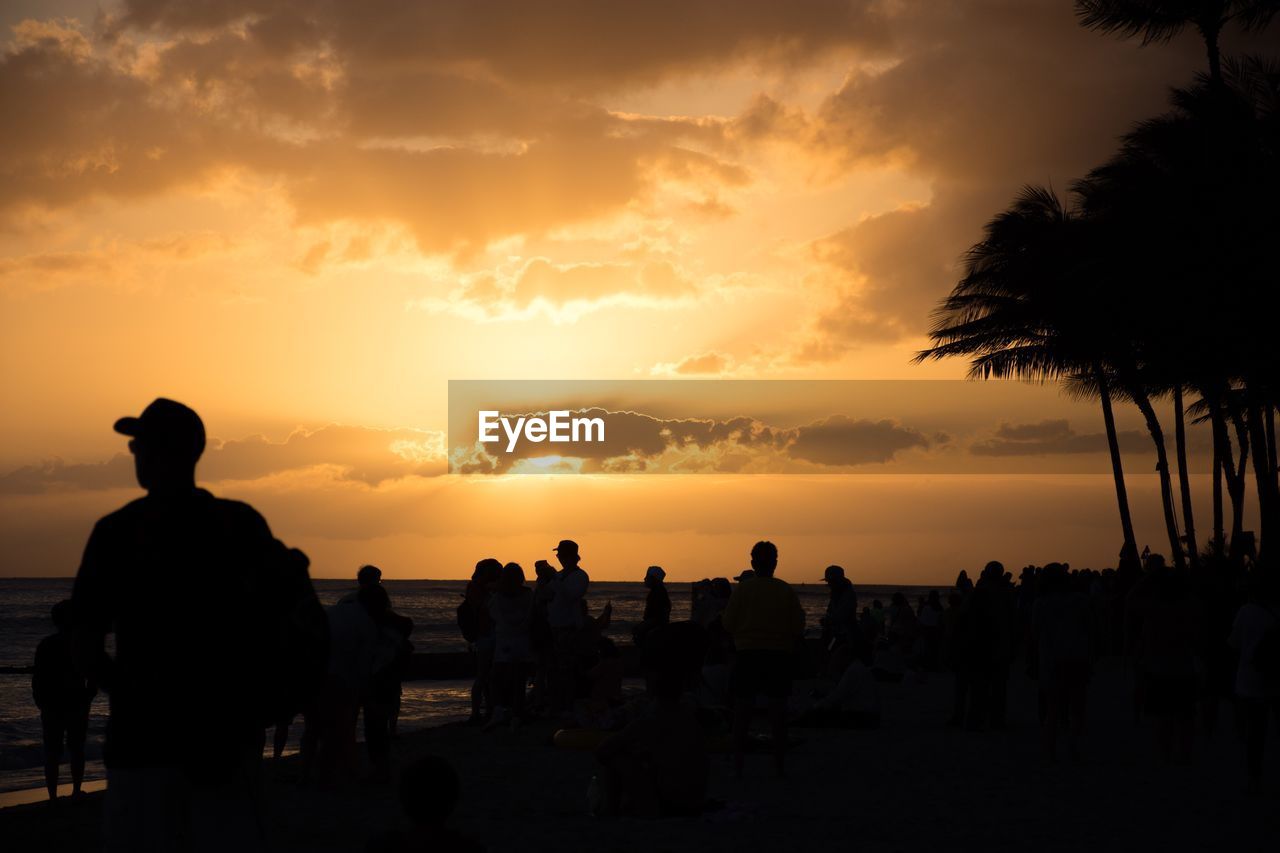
[[853, 703], [63, 695], [598, 710], [657, 766], [429, 791]]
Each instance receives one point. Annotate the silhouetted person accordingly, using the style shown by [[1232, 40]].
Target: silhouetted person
[[477, 629], [369, 576], [201, 599], [986, 643], [1168, 637], [657, 765], [329, 736], [565, 613], [657, 604], [1060, 631], [841, 619], [429, 791], [63, 695], [1255, 635], [381, 697], [511, 609], [929, 620], [766, 621], [541, 637], [854, 701]]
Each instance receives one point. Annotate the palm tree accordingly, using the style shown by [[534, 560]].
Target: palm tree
[[1021, 311], [1162, 20], [1189, 206]]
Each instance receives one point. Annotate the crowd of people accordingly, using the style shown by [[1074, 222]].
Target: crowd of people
[[1192, 640]]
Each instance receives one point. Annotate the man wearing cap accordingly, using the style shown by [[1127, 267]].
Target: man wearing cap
[[192, 586], [841, 620], [565, 616], [657, 604]]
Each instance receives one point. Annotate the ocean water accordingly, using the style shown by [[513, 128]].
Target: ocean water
[[431, 604]]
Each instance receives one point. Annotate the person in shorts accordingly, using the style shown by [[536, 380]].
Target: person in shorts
[[766, 622]]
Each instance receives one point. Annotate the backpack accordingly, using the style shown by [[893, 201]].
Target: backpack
[[468, 622]]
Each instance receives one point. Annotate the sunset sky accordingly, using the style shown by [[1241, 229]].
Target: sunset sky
[[304, 217]]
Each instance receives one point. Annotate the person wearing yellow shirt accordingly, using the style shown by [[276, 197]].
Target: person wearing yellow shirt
[[766, 621]]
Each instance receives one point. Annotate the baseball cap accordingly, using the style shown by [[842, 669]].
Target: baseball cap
[[166, 423], [567, 546], [833, 572], [655, 572]]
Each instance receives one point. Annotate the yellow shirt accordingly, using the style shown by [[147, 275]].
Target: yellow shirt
[[764, 613]]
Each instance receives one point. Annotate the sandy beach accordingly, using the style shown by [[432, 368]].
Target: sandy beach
[[914, 784]]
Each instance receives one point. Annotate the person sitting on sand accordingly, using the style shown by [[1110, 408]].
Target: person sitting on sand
[[63, 695], [657, 766], [598, 710], [429, 791], [853, 703], [766, 621]]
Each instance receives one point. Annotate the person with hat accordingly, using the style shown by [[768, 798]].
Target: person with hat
[[197, 593], [565, 615], [841, 619], [657, 604]]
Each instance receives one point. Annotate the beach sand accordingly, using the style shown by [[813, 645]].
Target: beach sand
[[914, 784]]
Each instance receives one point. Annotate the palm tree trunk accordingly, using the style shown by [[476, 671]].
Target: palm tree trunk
[[1219, 440], [1129, 550], [1184, 479], [1212, 48], [1271, 442], [1215, 62], [1235, 481], [1162, 468], [1266, 479]]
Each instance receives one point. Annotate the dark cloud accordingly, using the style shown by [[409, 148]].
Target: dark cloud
[[371, 456], [840, 440], [636, 442], [574, 44], [451, 158], [1052, 437], [986, 96]]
